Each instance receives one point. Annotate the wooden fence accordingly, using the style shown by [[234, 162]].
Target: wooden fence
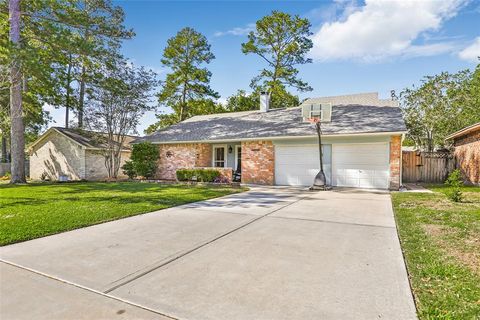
[[431, 167]]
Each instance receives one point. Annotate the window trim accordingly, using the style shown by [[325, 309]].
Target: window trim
[[215, 146], [238, 146]]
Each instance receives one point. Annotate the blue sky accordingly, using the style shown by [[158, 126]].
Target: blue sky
[[360, 46]]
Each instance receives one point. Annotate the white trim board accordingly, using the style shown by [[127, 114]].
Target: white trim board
[[393, 133]]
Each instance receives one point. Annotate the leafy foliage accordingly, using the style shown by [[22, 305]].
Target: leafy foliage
[[59, 42], [129, 169], [241, 101], [116, 105], [455, 182], [198, 107], [188, 83], [443, 104], [283, 42], [144, 159], [200, 175]]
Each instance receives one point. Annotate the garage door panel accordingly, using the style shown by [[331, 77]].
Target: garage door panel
[[361, 165], [360, 148], [361, 159], [298, 165]]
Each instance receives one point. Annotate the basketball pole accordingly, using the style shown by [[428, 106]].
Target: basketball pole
[[320, 182]]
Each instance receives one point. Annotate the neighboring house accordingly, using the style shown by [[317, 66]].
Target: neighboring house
[[362, 138], [71, 154], [467, 152]]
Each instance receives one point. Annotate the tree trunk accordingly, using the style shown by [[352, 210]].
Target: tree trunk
[[81, 98], [183, 105], [4, 149], [67, 100], [17, 129]]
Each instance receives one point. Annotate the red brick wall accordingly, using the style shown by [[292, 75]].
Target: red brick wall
[[176, 156], [258, 166], [204, 155], [395, 161], [467, 155]]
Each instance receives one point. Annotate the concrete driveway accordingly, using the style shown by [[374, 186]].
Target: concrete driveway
[[270, 253]]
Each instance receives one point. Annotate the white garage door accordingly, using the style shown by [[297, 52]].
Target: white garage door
[[297, 165], [361, 165]]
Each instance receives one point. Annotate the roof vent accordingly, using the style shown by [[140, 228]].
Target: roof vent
[[264, 101]]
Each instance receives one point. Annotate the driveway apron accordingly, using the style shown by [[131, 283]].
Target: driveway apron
[[270, 253]]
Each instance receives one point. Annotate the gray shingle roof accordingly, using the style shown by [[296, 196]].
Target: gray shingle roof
[[346, 119], [90, 139], [366, 99]]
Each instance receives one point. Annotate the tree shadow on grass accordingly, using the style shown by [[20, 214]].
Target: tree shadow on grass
[[150, 199]]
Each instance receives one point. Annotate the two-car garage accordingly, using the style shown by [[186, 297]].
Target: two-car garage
[[360, 165]]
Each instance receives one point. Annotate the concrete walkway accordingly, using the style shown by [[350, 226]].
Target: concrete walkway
[[270, 253]]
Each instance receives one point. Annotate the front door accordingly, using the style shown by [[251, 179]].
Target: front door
[[238, 159]]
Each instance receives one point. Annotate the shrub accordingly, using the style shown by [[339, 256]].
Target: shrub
[[7, 176], [129, 169], [454, 181], [185, 174], [201, 175], [221, 179], [144, 158], [208, 175]]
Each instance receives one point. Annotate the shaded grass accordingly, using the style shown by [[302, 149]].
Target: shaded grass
[[441, 244], [36, 210]]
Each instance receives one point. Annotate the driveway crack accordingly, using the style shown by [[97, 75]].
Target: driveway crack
[[175, 258]]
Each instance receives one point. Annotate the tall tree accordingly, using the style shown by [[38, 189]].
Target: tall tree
[[188, 82], [197, 107], [100, 33], [17, 128], [442, 104], [4, 111], [117, 103], [241, 101], [282, 41]]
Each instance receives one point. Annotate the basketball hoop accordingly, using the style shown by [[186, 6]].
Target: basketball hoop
[[313, 120]]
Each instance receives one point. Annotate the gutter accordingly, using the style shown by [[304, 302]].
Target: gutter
[[387, 133]]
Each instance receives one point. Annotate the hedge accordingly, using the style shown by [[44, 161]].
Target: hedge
[[200, 175]]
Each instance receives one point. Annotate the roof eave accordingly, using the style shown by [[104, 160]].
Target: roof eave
[[464, 131], [389, 133]]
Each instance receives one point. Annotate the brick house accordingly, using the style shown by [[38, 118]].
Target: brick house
[[467, 152], [71, 154], [362, 138]]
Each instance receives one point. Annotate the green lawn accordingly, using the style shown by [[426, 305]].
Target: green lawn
[[441, 244], [36, 210]]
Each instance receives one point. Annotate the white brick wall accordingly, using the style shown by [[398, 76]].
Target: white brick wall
[[95, 165], [57, 155]]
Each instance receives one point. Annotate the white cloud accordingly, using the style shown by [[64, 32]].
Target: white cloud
[[382, 29], [238, 31], [472, 52]]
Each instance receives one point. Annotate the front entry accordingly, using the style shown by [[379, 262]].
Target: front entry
[[237, 170]]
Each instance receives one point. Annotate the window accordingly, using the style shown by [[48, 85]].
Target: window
[[219, 157]]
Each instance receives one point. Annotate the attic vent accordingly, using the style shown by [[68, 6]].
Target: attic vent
[[324, 111]]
